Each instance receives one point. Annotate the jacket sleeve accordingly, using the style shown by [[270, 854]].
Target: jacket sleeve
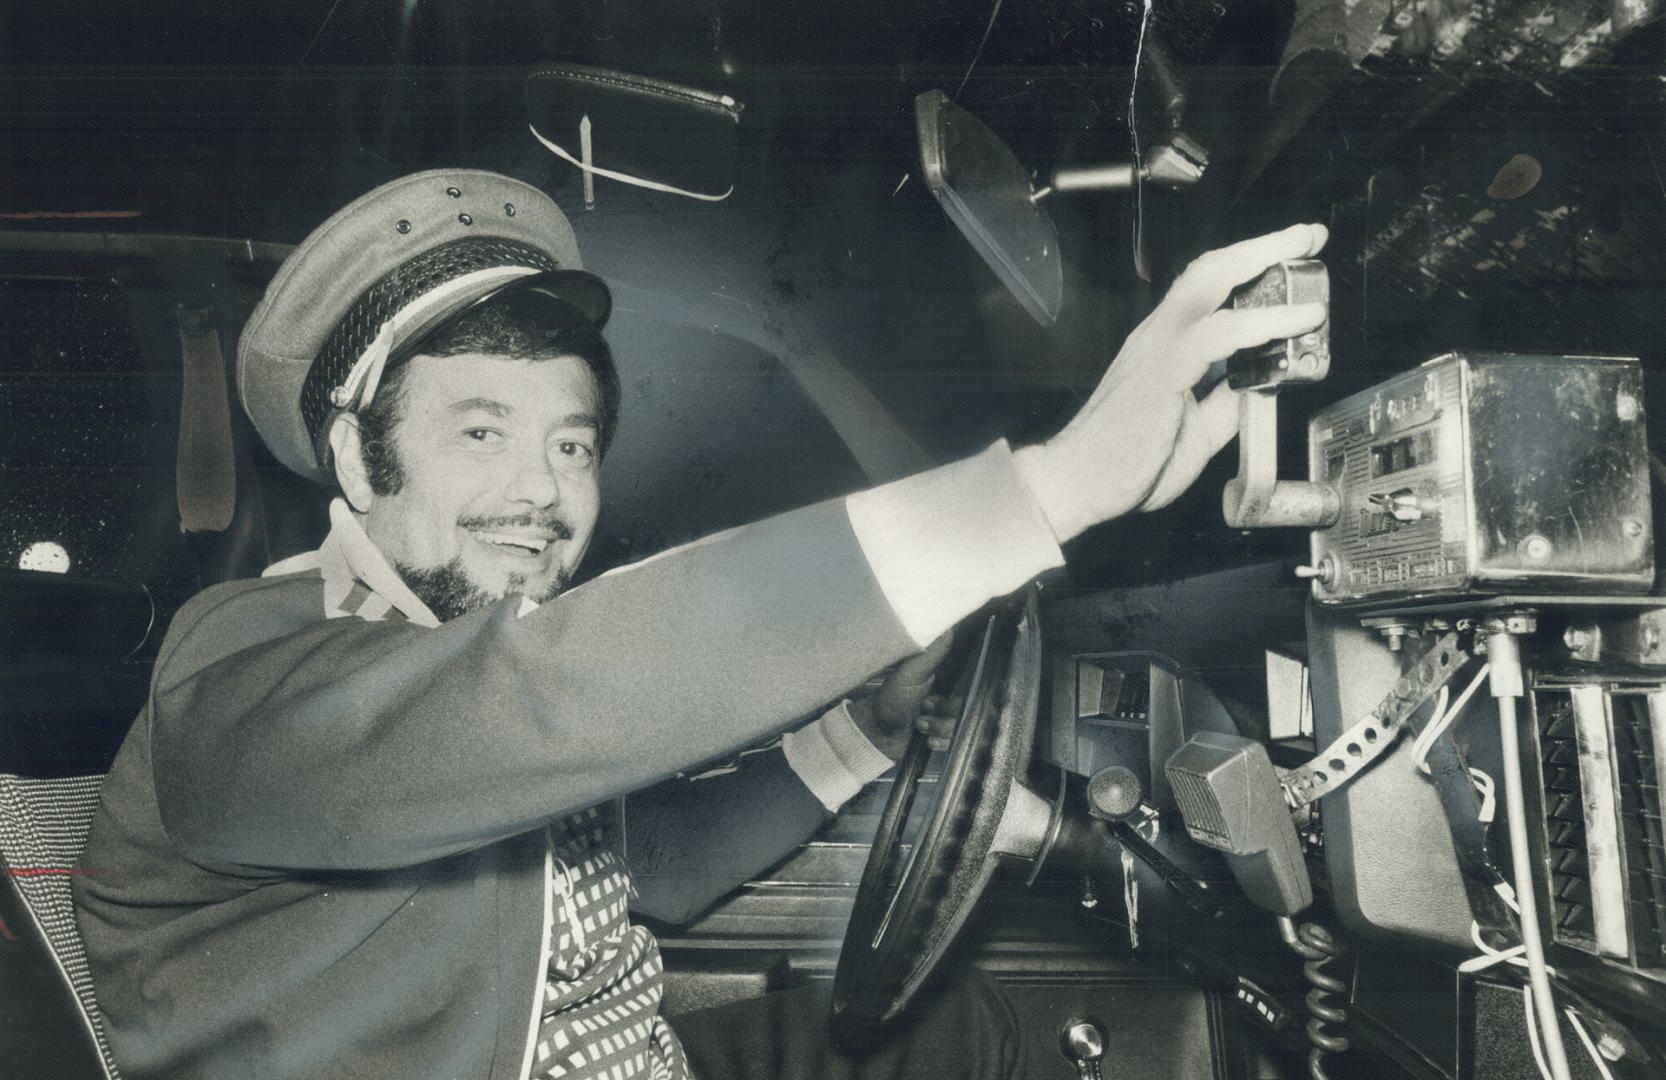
[[694, 838], [691, 841], [346, 744]]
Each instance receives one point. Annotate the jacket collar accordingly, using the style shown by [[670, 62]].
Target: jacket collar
[[357, 578]]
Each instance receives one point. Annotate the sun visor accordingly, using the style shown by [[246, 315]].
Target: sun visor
[[634, 129]]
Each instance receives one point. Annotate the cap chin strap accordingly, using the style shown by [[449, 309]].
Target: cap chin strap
[[625, 178], [359, 387]]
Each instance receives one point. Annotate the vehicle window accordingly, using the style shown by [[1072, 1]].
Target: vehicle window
[[86, 452]]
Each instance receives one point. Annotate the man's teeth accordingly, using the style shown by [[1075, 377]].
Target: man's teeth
[[534, 544]]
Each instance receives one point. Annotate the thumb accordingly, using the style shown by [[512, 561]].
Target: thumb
[[1218, 414], [921, 666], [1204, 431]]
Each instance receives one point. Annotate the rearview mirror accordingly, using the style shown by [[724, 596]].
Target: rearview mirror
[[987, 194]]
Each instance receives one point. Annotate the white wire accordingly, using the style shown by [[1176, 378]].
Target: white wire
[[1489, 800], [1590, 1047], [1134, 142], [1490, 956], [1443, 718], [1506, 685], [1437, 724], [1514, 956], [981, 43], [1578, 1028], [1533, 1033]]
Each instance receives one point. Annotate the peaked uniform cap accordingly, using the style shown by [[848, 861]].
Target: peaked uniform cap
[[336, 291]]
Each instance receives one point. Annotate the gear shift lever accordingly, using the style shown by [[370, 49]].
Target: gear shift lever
[[1082, 1041]]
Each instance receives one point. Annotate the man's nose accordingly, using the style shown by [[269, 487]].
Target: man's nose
[[535, 481]]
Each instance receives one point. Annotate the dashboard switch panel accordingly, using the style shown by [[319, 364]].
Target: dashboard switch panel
[[1486, 473]]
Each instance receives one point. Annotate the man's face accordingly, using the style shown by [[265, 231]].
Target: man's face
[[500, 491]]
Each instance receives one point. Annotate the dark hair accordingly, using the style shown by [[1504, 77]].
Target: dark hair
[[520, 326]]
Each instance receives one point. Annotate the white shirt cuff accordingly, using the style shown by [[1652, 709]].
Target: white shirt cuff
[[833, 758], [943, 542]]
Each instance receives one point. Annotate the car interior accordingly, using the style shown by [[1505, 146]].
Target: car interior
[[1348, 763]]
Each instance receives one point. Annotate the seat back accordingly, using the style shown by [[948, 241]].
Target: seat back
[[49, 1020]]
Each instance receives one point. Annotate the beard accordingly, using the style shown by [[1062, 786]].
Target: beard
[[449, 591]]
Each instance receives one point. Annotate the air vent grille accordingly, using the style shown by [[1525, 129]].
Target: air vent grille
[[1601, 749], [1642, 841], [1570, 874]]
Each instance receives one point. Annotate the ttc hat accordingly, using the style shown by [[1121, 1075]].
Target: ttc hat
[[386, 272]]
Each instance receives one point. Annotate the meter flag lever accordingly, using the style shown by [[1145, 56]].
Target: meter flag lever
[[1256, 497]]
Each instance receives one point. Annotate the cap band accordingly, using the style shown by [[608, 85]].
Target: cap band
[[359, 386], [397, 289]]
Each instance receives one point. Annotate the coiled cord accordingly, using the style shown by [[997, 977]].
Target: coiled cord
[[1316, 945]]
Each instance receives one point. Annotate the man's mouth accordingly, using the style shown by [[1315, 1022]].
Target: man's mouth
[[526, 547], [520, 536]]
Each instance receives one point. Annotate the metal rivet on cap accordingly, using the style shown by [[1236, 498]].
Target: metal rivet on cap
[[465, 219], [455, 193], [403, 226], [509, 209]]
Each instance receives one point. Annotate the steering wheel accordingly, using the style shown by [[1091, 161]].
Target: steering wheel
[[914, 899]]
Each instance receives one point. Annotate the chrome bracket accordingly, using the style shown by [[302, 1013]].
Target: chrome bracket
[[1364, 742]]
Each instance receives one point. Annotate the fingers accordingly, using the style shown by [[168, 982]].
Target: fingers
[[1244, 260], [943, 705], [1211, 277], [919, 668], [939, 730], [1220, 335], [937, 726], [1216, 420], [1206, 428], [937, 650]]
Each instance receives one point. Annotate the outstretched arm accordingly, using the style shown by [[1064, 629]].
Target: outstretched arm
[[280, 740]]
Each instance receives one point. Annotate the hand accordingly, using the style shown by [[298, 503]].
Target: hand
[[1142, 438], [890, 715]]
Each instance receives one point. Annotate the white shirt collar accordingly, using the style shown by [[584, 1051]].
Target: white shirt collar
[[348, 557]]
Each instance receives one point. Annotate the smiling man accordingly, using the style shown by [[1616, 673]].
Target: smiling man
[[472, 493], [365, 825]]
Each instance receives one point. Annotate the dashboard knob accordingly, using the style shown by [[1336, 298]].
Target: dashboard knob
[[1114, 793]]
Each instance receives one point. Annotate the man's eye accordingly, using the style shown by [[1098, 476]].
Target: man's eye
[[483, 435], [570, 448]]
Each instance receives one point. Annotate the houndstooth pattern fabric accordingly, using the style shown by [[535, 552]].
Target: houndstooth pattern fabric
[[602, 994], [43, 827]]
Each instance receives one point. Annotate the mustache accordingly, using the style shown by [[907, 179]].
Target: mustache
[[547, 522]]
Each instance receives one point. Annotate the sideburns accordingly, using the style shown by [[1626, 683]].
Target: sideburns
[[384, 468]]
